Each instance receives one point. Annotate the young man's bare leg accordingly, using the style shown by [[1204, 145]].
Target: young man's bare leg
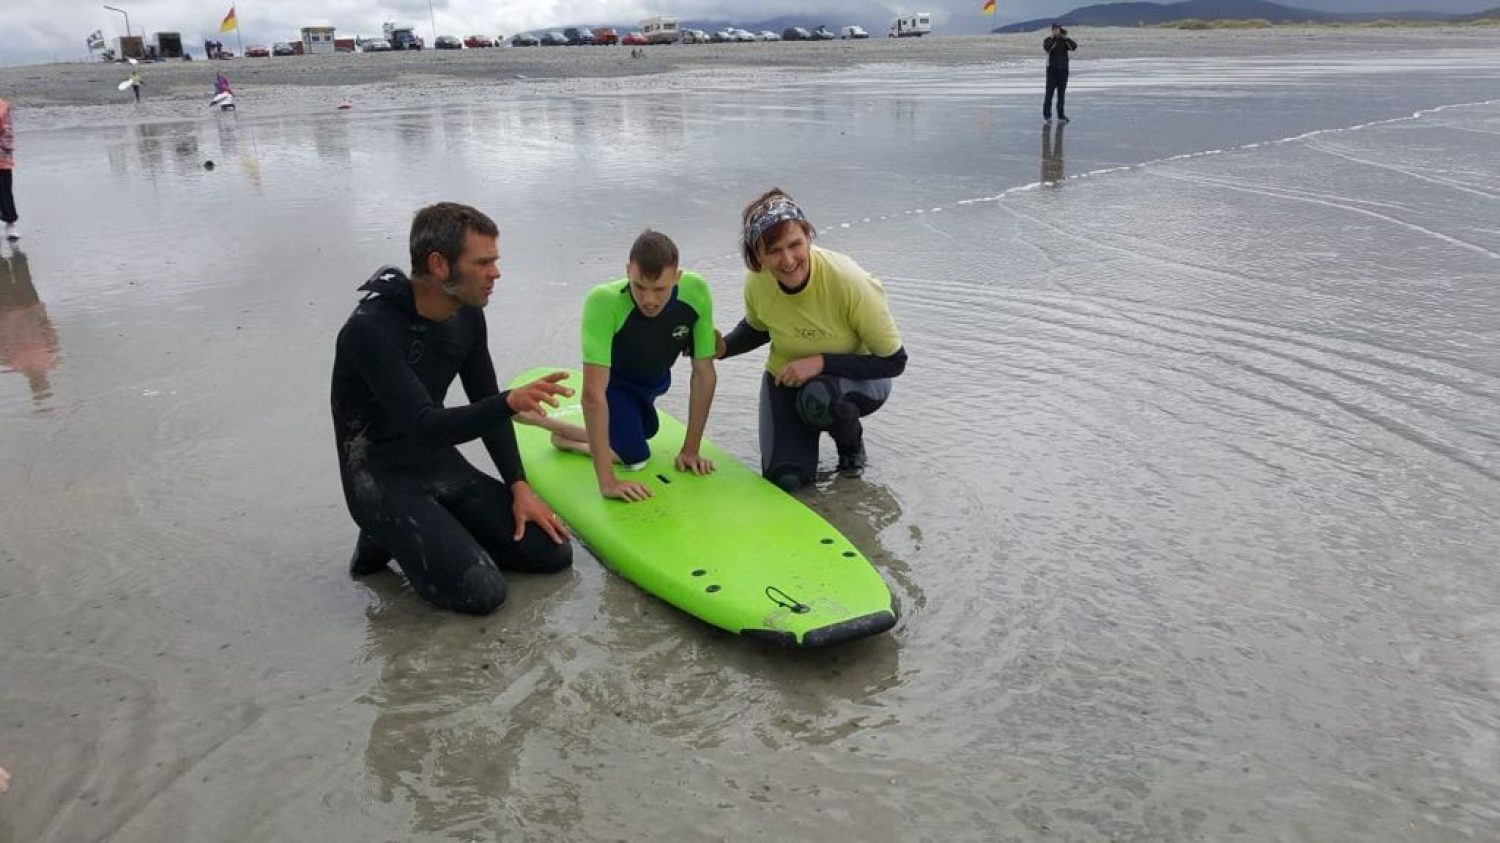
[[557, 427], [565, 435]]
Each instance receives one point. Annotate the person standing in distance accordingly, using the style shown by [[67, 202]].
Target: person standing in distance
[[1057, 45]]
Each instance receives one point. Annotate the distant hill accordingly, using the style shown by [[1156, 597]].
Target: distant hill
[[1149, 14], [1487, 14]]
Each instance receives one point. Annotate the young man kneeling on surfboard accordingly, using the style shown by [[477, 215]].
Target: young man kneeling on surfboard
[[834, 343], [634, 329], [450, 527]]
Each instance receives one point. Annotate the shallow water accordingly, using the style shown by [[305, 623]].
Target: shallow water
[[1188, 497]]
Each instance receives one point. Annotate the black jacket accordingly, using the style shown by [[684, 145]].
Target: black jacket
[[1057, 51]]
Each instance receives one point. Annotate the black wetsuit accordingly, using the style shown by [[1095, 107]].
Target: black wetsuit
[[448, 524], [1057, 74]]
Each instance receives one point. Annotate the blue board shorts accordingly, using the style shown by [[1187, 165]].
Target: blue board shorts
[[632, 416]]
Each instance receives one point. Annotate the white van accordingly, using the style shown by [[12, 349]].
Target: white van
[[660, 30], [911, 26], [855, 32]]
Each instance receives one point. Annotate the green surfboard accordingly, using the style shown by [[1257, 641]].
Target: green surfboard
[[729, 548]]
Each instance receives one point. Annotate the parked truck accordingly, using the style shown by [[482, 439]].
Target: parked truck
[[130, 47], [911, 26], [169, 45], [401, 36]]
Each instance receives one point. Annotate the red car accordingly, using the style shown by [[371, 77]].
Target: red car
[[474, 42], [256, 51], [634, 39], [606, 35]]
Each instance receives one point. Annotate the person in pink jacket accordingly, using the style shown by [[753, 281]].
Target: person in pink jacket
[[7, 164]]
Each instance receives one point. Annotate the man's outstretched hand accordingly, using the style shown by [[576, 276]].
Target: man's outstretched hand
[[539, 394]]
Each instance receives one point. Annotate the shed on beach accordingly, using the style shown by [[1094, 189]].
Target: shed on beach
[[317, 40]]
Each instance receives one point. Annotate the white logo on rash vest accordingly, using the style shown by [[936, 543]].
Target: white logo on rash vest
[[680, 332]]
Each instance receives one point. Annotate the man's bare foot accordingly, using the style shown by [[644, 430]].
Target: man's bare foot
[[567, 443]]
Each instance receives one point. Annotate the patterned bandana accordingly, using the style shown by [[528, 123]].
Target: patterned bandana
[[767, 215]]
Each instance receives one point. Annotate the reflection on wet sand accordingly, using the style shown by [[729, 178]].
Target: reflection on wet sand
[[28, 342], [457, 702], [1052, 153]]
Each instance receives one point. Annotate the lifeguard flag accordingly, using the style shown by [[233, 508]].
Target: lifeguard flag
[[989, 7], [229, 22]]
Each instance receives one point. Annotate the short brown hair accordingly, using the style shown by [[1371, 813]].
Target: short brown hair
[[442, 228], [748, 247], [652, 253]]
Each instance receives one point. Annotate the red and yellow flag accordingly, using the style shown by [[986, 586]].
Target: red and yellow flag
[[989, 7], [230, 22]]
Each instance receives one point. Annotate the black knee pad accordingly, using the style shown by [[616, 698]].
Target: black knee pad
[[818, 403], [484, 589]]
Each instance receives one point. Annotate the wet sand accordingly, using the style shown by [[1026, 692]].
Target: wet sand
[[1188, 497], [93, 84]]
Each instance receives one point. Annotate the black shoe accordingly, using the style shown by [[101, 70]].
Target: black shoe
[[369, 557], [852, 464], [1062, 119]]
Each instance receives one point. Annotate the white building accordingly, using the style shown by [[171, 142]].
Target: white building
[[317, 40]]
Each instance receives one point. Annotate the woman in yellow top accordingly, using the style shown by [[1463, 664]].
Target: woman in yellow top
[[834, 345]]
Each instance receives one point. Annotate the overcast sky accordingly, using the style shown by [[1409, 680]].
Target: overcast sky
[[47, 30]]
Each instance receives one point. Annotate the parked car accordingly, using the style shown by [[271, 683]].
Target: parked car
[[606, 35], [257, 51], [524, 39], [475, 42], [554, 39], [795, 33], [447, 42], [579, 36], [855, 32], [744, 36], [823, 33], [767, 35], [694, 36], [375, 45], [282, 48], [722, 36], [634, 39]]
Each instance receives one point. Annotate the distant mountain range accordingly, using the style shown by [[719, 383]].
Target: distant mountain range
[[1148, 14]]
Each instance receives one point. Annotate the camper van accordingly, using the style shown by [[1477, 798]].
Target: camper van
[[660, 30], [911, 26]]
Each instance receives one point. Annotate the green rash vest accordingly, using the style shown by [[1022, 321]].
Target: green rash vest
[[642, 348]]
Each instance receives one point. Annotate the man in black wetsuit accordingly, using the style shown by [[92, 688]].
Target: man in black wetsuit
[[450, 527], [1057, 45]]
